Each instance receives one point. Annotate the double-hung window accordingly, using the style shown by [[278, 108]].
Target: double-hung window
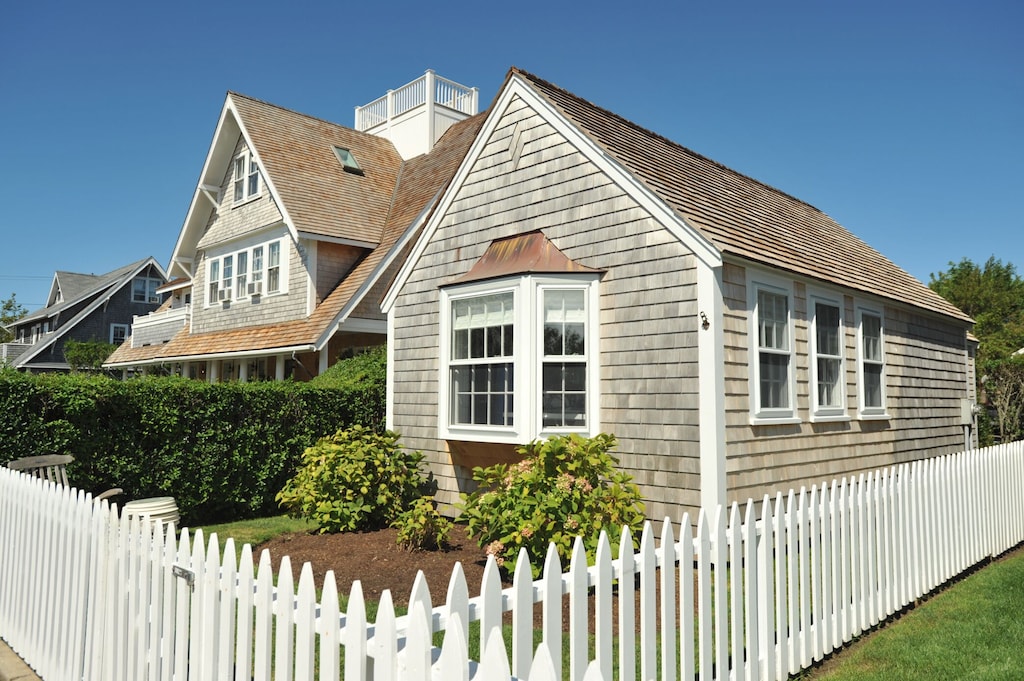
[[244, 273], [118, 333], [144, 290], [245, 177], [828, 392], [772, 363], [519, 358], [872, 364], [482, 367]]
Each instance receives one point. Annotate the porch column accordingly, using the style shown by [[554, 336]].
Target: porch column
[[323, 360], [213, 370], [243, 370], [279, 367]]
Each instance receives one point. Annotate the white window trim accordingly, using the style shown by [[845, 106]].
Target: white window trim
[[772, 416], [251, 291], [247, 161], [819, 413], [115, 327], [155, 298], [527, 358], [865, 413]]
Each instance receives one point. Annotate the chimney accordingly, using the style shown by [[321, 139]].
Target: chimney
[[415, 115]]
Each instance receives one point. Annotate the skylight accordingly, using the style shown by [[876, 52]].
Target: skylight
[[348, 161]]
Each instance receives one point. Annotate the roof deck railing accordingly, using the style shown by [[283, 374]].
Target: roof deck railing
[[427, 90]]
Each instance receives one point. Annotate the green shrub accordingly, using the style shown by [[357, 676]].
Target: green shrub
[[364, 378], [566, 486], [422, 527], [223, 450], [356, 479]]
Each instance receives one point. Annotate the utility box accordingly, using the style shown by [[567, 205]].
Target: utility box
[[967, 411]]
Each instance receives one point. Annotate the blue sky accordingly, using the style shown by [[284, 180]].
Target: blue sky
[[904, 121]]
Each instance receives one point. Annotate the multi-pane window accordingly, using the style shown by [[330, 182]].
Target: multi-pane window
[[118, 333], [872, 369], [214, 280], [828, 357], [245, 177], [227, 272], [482, 370], [774, 350], [244, 273], [564, 369], [274, 267], [241, 274], [520, 358], [144, 290]]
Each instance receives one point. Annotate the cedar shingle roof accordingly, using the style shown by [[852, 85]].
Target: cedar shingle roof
[[297, 153], [416, 183], [741, 216]]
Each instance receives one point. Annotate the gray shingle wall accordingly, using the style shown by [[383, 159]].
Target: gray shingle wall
[[926, 375], [647, 305]]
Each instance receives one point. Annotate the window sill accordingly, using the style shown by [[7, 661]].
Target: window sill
[[874, 417], [242, 202], [775, 421], [831, 418]]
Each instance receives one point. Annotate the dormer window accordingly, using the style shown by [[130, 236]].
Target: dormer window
[[246, 177], [348, 161]]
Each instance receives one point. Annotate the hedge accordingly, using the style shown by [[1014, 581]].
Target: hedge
[[222, 450]]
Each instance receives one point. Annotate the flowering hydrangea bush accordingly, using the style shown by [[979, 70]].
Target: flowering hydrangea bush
[[566, 486]]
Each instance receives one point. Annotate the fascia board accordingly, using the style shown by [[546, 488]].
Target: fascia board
[[702, 248], [267, 352]]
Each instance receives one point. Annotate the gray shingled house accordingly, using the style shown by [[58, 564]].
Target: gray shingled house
[[83, 307], [287, 245], [583, 274]]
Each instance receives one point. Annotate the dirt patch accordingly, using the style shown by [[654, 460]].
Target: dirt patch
[[378, 562]]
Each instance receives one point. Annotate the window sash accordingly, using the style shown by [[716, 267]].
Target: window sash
[[872, 359], [828, 355], [772, 390]]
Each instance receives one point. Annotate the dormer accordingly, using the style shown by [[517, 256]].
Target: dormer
[[415, 115]]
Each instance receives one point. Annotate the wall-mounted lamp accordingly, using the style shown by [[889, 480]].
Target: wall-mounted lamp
[[704, 323]]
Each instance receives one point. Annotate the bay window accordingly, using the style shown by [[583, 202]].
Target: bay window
[[519, 358]]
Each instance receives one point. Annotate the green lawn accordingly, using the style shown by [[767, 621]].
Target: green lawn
[[972, 630]]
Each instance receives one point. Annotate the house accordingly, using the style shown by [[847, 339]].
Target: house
[[83, 307], [295, 230], [583, 274]]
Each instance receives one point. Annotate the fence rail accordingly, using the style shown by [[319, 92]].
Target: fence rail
[[754, 592]]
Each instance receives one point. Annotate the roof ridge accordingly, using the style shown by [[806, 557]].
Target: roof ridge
[[659, 136], [264, 102]]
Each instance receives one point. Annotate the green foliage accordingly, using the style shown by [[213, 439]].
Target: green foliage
[[356, 479], [222, 450], [422, 527], [10, 311], [364, 377], [564, 487], [993, 295], [82, 355]]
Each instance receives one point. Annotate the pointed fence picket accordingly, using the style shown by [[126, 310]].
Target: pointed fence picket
[[749, 592]]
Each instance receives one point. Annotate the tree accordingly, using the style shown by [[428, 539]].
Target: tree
[[994, 296], [10, 312], [87, 355]]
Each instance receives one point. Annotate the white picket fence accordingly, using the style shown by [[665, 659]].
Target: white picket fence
[[754, 593]]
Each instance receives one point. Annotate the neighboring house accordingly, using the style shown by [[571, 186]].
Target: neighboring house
[[83, 307], [583, 274], [294, 233]]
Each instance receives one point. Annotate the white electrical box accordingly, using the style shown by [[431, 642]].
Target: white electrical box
[[967, 411]]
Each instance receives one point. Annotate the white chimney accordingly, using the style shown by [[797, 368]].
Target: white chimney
[[415, 115]]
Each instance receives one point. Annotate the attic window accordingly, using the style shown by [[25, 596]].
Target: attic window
[[348, 161]]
